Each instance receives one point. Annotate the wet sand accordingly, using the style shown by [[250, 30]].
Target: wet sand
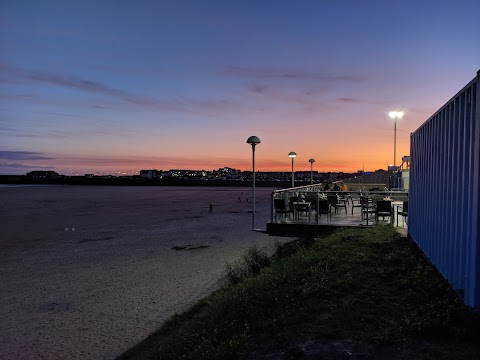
[[88, 272]]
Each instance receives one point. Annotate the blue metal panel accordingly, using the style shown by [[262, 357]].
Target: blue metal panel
[[444, 195]]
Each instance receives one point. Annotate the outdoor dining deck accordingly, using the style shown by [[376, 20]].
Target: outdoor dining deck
[[309, 211]]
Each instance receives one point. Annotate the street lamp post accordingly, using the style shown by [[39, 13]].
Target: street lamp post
[[395, 115], [292, 155], [311, 161], [253, 140]]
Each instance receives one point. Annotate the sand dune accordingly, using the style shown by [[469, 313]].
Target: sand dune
[[87, 272]]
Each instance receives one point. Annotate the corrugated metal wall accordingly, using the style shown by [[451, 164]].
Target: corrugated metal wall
[[444, 195]]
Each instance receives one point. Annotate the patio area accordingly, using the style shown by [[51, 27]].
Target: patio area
[[309, 211]]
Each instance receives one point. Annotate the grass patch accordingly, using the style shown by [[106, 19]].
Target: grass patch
[[251, 263], [360, 294]]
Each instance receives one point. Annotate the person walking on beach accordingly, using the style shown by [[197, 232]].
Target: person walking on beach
[[211, 208]]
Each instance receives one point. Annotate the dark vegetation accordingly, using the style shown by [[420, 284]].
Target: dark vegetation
[[356, 294]]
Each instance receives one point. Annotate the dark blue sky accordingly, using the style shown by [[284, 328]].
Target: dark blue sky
[[119, 86]]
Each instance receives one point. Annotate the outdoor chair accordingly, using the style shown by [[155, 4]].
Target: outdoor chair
[[280, 208], [384, 208], [355, 202], [312, 199], [404, 213], [291, 200], [302, 207], [342, 198], [333, 201], [324, 208], [367, 207]]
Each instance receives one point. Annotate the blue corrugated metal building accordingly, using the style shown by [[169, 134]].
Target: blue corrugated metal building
[[444, 197]]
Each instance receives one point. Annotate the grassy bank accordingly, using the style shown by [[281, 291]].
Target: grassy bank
[[357, 294]]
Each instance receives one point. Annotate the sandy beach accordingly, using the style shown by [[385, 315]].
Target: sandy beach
[[88, 272]]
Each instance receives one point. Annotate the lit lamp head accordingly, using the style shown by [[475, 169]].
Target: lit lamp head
[[395, 114], [292, 155], [253, 140]]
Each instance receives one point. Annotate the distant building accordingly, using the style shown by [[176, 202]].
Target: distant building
[[48, 174], [379, 179], [150, 174]]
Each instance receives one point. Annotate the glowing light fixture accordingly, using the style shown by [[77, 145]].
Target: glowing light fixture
[[396, 114]]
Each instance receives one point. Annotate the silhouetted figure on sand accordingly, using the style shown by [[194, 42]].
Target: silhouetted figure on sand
[[211, 208]]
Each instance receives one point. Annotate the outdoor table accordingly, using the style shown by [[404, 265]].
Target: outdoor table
[[301, 206]]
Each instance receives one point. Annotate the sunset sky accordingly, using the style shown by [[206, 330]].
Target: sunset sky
[[120, 86]]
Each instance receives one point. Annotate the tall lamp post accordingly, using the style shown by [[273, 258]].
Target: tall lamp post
[[311, 161], [253, 140], [395, 115], [292, 155]]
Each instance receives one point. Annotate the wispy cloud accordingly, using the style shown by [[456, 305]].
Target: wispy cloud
[[258, 88], [52, 135], [15, 96], [22, 133], [290, 74], [5, 128], [306, 90], [23, 155], [350, 100], [73, 82], [22, 166], [175, 104]]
